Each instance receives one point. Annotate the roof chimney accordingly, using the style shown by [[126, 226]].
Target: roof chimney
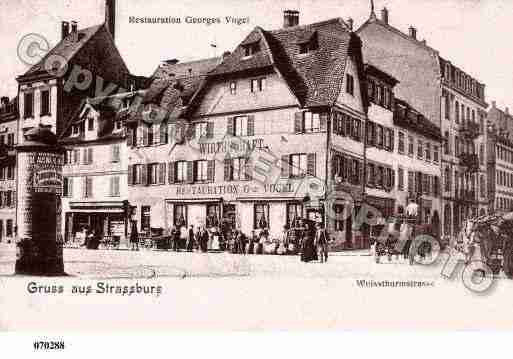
[[74, 31], [4, 101], [494, 104], [290, 18], [64, 29], [350, 23], [384, 15], [413, 32], [110, 16], [507, 110]]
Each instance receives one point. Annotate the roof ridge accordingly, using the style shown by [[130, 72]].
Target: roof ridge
[[306, 26]]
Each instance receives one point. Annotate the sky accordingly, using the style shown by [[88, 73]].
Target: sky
[[472, 34]]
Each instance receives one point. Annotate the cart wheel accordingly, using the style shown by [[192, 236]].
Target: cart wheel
[[508, 260]]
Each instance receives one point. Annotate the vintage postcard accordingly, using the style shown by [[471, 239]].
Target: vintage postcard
[[255, 165]]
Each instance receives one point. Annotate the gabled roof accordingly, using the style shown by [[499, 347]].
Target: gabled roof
[[315, 78], [66, 48], [174, 85]]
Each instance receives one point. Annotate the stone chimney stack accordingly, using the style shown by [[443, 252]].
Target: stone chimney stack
[[350, 23], [110, 16], [4, 100], [384, 15], [413, 32], [64, 29], [290, 18], [74, 31]]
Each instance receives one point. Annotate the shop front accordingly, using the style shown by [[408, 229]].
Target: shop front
[[106, 219], [248, 206]]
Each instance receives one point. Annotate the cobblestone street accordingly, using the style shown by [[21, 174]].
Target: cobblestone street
[[258, 292]]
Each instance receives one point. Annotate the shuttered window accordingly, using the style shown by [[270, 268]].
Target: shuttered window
[[201, 171], [181, 171], [115, 153], [114, 186]]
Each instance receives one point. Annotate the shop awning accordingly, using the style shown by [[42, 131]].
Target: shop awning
[[106, 206]]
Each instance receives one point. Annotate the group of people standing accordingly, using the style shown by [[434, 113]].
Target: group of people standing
[[306, 238]]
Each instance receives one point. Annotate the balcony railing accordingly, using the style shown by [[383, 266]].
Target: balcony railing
[[470, 161], [470, 130]]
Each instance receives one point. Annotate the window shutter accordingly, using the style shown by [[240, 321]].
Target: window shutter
[[298, 122], [210, 129], [230, 128], [324, 122], [144, 174], [111, 187], [89, 187], [248, 174], [130, 175], [171, 172], [392, 185], [84, 156], [190, 171], [310, 164], [90, 155], [70, 187], [227, 169], [145, 134], [14, 199], [162, 173], [392, 140], [334, 164], [210, 170], [285, 166], [163, 133], [251, 125], [130, 137]]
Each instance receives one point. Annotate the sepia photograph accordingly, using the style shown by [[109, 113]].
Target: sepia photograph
[[255, 166]]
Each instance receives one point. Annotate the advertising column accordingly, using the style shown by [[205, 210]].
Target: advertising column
[[39, 250]]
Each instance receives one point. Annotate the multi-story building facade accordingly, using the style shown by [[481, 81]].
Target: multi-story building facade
[[52, 91], [463, 122], [265, 129], [425, 84], [403, 153], [95, 183], [500, 159], [8, 130]]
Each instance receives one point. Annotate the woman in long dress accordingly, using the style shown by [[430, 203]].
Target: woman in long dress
[[308, 252]]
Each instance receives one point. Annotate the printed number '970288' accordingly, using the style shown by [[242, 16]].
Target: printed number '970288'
[[51, 345]]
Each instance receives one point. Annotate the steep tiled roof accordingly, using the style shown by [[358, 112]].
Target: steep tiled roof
[[66, 48], [316, 77], [174, 85]]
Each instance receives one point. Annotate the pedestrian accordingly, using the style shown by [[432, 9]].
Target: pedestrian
[[203, 239], [251, 243], [321, 243], [241, 242], [308, 252], [282, 244], [175, 238], [134, 236], [184, 234], [190, 239]]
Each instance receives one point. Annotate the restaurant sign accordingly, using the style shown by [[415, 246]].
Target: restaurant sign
[[235, 189]]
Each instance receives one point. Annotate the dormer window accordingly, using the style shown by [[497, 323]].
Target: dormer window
[[76, 129], [308, 46], [251, 49]]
